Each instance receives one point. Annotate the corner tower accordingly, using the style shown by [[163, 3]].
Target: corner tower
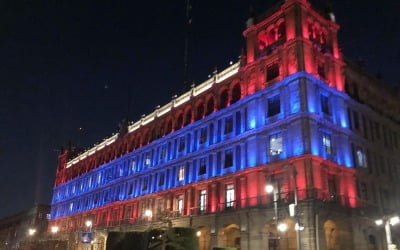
[[293, 37]]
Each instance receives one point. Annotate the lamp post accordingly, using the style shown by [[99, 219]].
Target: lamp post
[[298, 226], [388, 221]]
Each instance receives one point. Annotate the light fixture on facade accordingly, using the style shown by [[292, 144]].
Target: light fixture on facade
[[31, 231], [54, 229], [379, 222], [88, 223], [198, 233], [298, 227], [394, 220], [148, 213], [282, 227], [269, 188]]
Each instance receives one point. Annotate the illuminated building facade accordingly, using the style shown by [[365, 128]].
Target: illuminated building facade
[[291, 114], [18, 231]]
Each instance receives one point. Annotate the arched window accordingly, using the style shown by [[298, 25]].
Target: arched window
[[236, 93], [223, 99], [262, 40], [169, 127], [188, 118], [200, 111], [271, 36], [282, 31], [179, 122], [310, 31], [210, 106]]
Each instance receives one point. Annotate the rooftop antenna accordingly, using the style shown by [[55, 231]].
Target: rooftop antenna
[[186, 49]]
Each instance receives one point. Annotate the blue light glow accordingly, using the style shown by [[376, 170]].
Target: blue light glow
[[249, 139]]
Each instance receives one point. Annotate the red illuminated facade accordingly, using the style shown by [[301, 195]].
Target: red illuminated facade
[[285, 115]]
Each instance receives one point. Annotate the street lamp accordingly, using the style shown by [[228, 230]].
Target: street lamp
[[31, 231], [388, 221]]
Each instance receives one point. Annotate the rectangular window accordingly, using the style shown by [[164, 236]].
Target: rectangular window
[[179, 204], [147, 159], [229, 195], [228, 159], [364, 191], [356, 120], [275, 144], [327, 143], [377, 129], [161, 179], [133, 165], [163, 152], [181, 173], [202, 167], [272, 71], [203, 200], [130, 189], [360, 157], [161, 205], [228, 125], [321, 70], [274, 105], [145, 184], [325, 105], [203, 135], [128, 212], [332, 185], [181, 144]]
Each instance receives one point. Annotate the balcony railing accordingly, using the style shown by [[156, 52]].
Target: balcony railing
[[262, 201]]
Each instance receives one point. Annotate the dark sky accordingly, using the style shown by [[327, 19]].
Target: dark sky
[[71, 70]]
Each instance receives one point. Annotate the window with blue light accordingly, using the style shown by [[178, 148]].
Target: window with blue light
[[202, 166], [163, 152], [145, 184], [181, 146], [325, 105], [181, 173], [121, 171], [203, 135], [274, 105], [130, 189], [275, 144], [228, 128], [228, 159], [133, 165], [147, 160], [161, 179], [327, 144]]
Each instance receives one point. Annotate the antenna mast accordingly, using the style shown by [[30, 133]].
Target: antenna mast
[[186, 49]]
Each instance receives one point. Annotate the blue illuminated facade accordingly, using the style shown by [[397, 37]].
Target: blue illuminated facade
[[308, 110], [291, 114]]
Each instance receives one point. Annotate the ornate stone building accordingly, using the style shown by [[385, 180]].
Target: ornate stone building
[[18, 230], [292, 116]]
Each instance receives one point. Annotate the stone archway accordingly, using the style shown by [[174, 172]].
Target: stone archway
[[204, 238], [229, 236]]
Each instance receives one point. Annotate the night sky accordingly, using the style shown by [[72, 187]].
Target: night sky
[[72, 70]]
